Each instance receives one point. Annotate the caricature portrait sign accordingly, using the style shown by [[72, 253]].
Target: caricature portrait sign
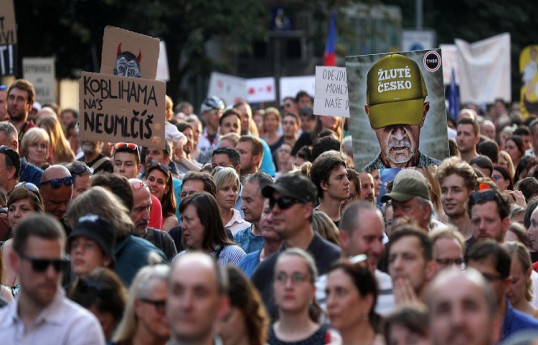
[[397, 108], [129, 54]]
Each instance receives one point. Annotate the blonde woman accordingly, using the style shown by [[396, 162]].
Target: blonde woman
[[271, 123], [228, 186], [35, 146], [59, 146]]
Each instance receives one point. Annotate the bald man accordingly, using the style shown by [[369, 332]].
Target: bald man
[[56, 189]]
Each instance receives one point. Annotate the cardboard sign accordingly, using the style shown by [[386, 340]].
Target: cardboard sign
[[129, 54], [114, 108], [289, 86], [8, 38], [406, 120], [331, 91], [229, 88], [41, 73], [162, 64], [261, 90]]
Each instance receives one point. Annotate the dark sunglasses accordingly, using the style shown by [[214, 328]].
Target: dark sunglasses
[[56, 183], [159, 305], [30, 187], [283, 202], [41, 265], [81, 169], [483, 196]]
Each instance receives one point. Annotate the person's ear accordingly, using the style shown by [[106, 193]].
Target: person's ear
[[425, 110], [224, 307], [345, 238], [324, 185]]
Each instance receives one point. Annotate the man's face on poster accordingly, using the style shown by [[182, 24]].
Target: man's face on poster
[[398, 143]]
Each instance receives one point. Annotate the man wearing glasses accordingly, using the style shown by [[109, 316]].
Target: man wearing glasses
[[41, 313], [490, 216], [56, 189], [493, 261], [291, 199]]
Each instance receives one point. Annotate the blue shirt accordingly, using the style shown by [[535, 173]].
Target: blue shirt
[[248, 241], [515, 321], [267, 166], [249, 262]]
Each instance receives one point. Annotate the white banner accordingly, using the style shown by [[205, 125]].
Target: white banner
[[449, 52], [229, 88], [289, 86], [485, 69], [40, 72], [331, 92], [162, 63], [261, 90]]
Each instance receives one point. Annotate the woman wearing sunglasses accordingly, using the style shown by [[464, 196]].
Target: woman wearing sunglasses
[[144, 319], [298, 311], [161, 184], [351, 298], [227, 182], [203, 230], [23, 201]]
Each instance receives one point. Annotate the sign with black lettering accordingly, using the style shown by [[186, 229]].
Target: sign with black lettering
[[41, 73], [129, 54], [8, 39], [114, 108], [331, 91], [397, 109]]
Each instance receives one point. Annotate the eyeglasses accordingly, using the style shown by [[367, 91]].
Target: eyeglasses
[[30, 187], [41, 265], [56, 183], [483, 196], [159, 305], [296, 278], [81, 169], [449, 262], [283, 202]]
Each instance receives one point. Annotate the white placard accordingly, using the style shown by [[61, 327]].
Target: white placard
[[40, 72], [450, 61], [162, 63], [331, 91], [289, 86], [261, 90], [229, 88]]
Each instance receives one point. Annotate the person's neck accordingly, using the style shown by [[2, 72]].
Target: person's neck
[[502, 307], [208, 339], [269, 248], [467, 156], [27, 310], [19, 124], [90, 157], [290, 139], [210, 130], [255, 227], [143, 337], [464, 225], [331, 207], [361, 334], [250, 171], [421, 293], [301, 239], [271, 135], [289, 325], [10, 184], [225, 214]]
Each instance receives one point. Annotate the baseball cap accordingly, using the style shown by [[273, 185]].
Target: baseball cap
[[407, 188], [210, 103], [95, 228], [395, 92], [292, 185]]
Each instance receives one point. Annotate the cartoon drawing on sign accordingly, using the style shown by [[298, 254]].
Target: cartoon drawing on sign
[[127, 64], [395, 104]]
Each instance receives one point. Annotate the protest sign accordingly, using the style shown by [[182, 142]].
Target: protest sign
[[450, 62], [162, 64], [529, 80], [114, 108], [229, 88], [129, 54], [41, 73], [290, 86], [8, 38], [397, 108], [331, 92], [261, 90]]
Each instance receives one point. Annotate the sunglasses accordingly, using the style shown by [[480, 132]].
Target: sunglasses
[[159, 305], [126, 146], [56, 183], [29, 187], [81, 169], [41, 265], [483, 196], [283, 202]]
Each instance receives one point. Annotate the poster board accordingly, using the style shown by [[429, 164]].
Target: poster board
[[229, 88], [261, 90], [528, 69], [331, 96], [8, 39], [126, 53], [290, 86], [393, 86], [41, 73], [115, 109]]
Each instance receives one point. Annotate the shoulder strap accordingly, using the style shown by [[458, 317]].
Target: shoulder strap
[[97, 164]]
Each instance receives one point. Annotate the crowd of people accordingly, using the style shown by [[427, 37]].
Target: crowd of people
[[253, 226]]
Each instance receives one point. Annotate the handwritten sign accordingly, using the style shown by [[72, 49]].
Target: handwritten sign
[[8, 38], [41, 73], [331, 92], [114, 108]]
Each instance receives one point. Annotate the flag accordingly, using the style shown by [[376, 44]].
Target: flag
[[453, 99], [329, 57]]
